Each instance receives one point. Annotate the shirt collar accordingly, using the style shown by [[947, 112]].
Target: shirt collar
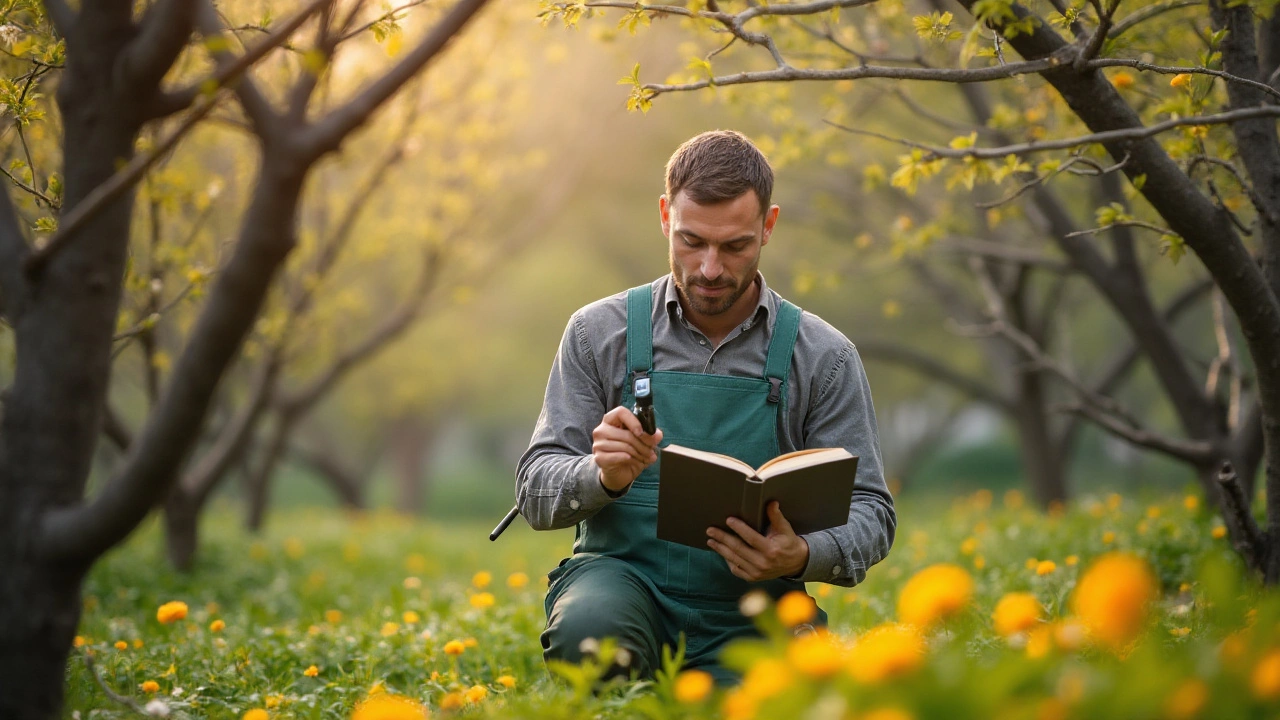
[[765, 305]]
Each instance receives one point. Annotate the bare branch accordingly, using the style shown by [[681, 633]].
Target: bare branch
[[1069, 143], [112, 694], [926, 366], [229, 445], [1248, 539], [1122, 224], [329, 132], [1196, 452], [113, 188], [114, 427], [391, 14], [1038, 180], [1002, 251], [1099, 36], [1148, 12], [49, 202], [164, 31]]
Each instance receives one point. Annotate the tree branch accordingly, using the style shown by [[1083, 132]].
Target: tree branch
[[1248, 539], [328, 133], [164, 31], [1196, 452], [934, 369], [1140, 16], [114, 427], [234, 437]]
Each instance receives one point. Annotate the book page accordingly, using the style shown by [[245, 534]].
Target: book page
[[713, 458], [800, 458]]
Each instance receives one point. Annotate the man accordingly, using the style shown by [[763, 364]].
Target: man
[[734, 369]]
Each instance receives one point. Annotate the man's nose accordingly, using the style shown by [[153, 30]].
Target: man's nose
[[711, 265]]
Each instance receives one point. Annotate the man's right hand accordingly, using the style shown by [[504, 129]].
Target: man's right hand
[[622, 449]]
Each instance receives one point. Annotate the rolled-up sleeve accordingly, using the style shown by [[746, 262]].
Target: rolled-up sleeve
[[842, 415], [557, 481]]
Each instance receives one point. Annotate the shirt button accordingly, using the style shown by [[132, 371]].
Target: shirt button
[[835, 570], [702, 342], [574, 504]]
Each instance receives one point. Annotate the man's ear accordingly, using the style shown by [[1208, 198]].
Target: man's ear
[[664, 215], [770, 219]]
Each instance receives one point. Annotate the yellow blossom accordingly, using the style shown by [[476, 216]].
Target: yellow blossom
[[1072, 560], [1016, 612], [968, 546], [934, 594], [452, 701], [470, 642], [507, 681], [137, 643], [1111, 598], [1014, 499], [273, 701], [333, 617], [122, 645], [217, 626], [410, 617], [1218, 532], [1154, 512], [1191, 502], [389, 629], [294, 548], [1265, 678], [1108, 537], [1122, 80], [413, 582], [311, 671], [796, 608], [1039, 642], [886, 651], [1030, 564], [517, 580], [816, 654], [482, 579], [454, 647], [171, 612], [255, 714], [1187, 700], [766, 678], [1114, 501], [1044, 567], [482, 600], [80, 641], [693, 686], [1180, 80], [1069, 634], [979, 562], [384, 706], [476, 693], [150, 686]]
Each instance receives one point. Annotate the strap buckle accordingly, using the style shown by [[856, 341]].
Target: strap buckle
[[775, 390]]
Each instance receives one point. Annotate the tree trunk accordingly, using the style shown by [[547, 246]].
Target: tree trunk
[[181, 529], [1042, 460], [39, 614], [409, 444]]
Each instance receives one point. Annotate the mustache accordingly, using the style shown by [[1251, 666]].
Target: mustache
[[693, 283]]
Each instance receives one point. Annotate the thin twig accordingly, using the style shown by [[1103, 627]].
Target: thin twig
[[1122, 223], [116, 697]]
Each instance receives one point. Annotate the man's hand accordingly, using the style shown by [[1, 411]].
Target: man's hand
[[754, 557], [622, 449]]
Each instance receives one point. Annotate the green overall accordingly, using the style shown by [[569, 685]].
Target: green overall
[[622, 581]]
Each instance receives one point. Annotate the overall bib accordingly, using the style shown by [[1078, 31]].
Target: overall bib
[[617, 553]]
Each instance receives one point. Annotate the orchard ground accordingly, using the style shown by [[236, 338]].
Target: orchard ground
[[985, 608]]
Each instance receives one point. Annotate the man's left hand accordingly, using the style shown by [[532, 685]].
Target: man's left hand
[[754, 557]]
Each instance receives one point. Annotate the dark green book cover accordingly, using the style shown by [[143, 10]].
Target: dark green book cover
[[698, 489]]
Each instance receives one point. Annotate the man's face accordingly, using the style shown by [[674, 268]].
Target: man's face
[[715, 249]]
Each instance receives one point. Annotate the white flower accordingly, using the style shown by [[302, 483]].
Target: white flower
[[10, 33], [155, 708]]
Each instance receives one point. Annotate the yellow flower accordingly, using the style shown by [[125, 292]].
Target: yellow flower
[[1218, 532], [693, 686], [476, 693], [171, 612], [1187, 701], [1265, 678], [482, 579], [517, 580], [1069, 634], [979, 562], [454, 647], [482, 600], [150, 686], [1154, 512], [796, 608], [255, 714], [410, 617], [934, 594], [452, 701], [969, 546], [294, 548], [470, 642], [80, 641], [311, 671], [384, 706], [137, 643], [886, 651], [1111, 598], [1180, 80], [1072, 560], [1016, 612], [1122, 80], [1039, 642], [122, 645], [766, 678], [1191, 502], [389, 629], [333, 617], [1014, 499], [507, 681], [1044, 567], [217, 626], [817, 654], [1108, 537], [1180, 631], [413, 582]]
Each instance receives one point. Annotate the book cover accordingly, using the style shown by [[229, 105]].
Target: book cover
[[698, 489]]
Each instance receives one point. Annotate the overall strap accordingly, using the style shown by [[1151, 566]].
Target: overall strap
[[778, 365], [640, 329]]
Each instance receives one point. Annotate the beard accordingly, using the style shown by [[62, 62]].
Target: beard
[[716, 305]]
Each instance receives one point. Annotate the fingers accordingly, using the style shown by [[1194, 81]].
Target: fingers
[[737, 553], [778, 524]]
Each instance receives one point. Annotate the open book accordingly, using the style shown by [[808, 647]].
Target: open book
[[698, 489]]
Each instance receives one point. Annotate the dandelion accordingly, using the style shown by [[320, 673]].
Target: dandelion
[[1180, 80], [1108, 537], [413, 582], [766, 678], [1191, 502], [389, 629], [934, 594], [255, 714], [507, 681], [137, 643], [1187, 701], [886, 651], [1154, 512], [294, 548], [1044, 567], [979, 562], [476, 693], [1180, 632], [1015, 613], [482, 579], [1039, 642], [482, 600], [80, 641], [333, 617], [122, 645], [410, 617], [1265, 678], [470, 642], [969, 546], [452, 701], [517, 580], [1014, 499], [796, 608], [816, 654], [1218, 532], [150, 686], [1122, 80], [1071, 560], [171, 612], [454, 647], [1111, 598], [217, 626], [693, 686], [311, 671], [273, 701], [383, 706]]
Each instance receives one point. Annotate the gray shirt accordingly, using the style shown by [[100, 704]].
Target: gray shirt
[[829, 402]]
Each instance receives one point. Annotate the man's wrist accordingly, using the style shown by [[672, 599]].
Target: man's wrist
[[615, 494]]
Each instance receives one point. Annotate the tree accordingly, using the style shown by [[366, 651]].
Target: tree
[[1212, 185], [61, 296]]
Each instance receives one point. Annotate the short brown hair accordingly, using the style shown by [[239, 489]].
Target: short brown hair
[[719, 165]]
